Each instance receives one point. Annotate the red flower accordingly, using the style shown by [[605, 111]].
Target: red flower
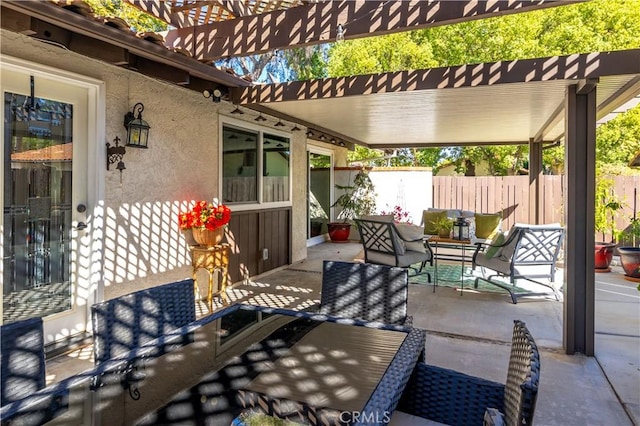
[[205, 215]]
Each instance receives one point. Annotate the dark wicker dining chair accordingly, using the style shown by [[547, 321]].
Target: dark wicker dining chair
[[22, 368], [454, 398], [365, 291], [128, 322]]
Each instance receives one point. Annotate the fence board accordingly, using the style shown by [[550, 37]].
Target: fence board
[[510, 194]]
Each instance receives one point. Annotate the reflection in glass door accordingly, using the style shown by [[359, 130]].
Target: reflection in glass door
[[319, 194], [37, 207]]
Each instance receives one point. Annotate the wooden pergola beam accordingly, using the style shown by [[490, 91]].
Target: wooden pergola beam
[[162, 11], [317, 23], [237, 8], [573, 67]]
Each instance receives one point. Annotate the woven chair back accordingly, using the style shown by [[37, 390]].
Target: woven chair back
[[22, 369], [364, 291], [521, 389], [129, 321]]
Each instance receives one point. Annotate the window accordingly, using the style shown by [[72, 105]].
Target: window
[[255, 166]]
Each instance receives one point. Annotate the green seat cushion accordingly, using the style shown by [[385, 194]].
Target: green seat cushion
[[428, 221], [487, 225], [493, 249]]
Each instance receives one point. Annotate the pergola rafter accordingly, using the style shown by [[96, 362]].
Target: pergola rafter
[[571, 67], [315, 23]]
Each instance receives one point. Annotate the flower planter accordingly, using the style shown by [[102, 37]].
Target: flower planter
[[207, 238], [630, 259], [603, 256], [339, 231]]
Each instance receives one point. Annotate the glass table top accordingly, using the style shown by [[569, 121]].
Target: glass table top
[[212, 370]]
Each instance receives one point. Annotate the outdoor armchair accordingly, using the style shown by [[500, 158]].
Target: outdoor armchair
[[365, 291], [130, 321], [384, 245], [22, 369], [529, 252], [454, 398]]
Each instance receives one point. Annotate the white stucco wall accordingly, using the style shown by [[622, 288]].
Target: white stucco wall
[[142, 243], [408, 187]]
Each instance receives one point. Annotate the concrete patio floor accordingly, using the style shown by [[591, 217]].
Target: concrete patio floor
[[472, 334]]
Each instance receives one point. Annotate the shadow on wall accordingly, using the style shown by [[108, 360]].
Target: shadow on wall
[[144, 239]]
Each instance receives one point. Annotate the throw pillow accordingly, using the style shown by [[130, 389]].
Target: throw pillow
[[409, 234], [487, 225], [428, 219], [507, 251], [378, 217], [493, 250]]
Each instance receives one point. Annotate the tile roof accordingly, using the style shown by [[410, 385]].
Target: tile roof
[[62, 152]]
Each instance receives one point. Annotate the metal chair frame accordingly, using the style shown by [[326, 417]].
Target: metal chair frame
[[535, 246], [383, 238]]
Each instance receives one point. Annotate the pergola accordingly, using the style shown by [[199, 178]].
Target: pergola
[[532, 101]]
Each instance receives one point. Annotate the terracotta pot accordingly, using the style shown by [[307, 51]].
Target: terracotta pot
[[338, 231], [630, 259], [206, 237], [603, 256]]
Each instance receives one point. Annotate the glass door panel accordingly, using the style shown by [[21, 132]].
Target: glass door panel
[[319, 194], [38, 152]]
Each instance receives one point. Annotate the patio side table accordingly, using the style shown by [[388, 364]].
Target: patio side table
[[450, 243], [213, 259]]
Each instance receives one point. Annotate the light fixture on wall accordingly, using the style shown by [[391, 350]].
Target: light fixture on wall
[[260, 118], [137, 128], [214, 94], [333, 140], [342, 143], [237, 111], [310, 133], [322, 138]]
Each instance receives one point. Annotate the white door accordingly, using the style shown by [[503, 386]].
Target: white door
[[46, 225]]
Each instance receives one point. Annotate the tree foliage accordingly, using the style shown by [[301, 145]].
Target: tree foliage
[[137, 20]]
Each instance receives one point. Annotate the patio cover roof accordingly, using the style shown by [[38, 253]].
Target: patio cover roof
[[495, 103]]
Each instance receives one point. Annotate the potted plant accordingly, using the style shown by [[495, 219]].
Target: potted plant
[[444, 226], [630, 256], [357, 199], [606, 211], [207, 222]]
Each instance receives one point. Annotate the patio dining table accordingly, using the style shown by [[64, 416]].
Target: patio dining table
[[307, 367]]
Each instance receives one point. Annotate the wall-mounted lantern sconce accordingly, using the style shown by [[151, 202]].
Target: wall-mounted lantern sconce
[[214, 94], [115, 154], [137, 128]]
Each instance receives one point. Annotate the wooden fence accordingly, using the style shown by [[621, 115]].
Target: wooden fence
[[510, 195]]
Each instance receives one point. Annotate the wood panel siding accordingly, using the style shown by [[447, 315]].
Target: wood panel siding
[[252, 231]]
